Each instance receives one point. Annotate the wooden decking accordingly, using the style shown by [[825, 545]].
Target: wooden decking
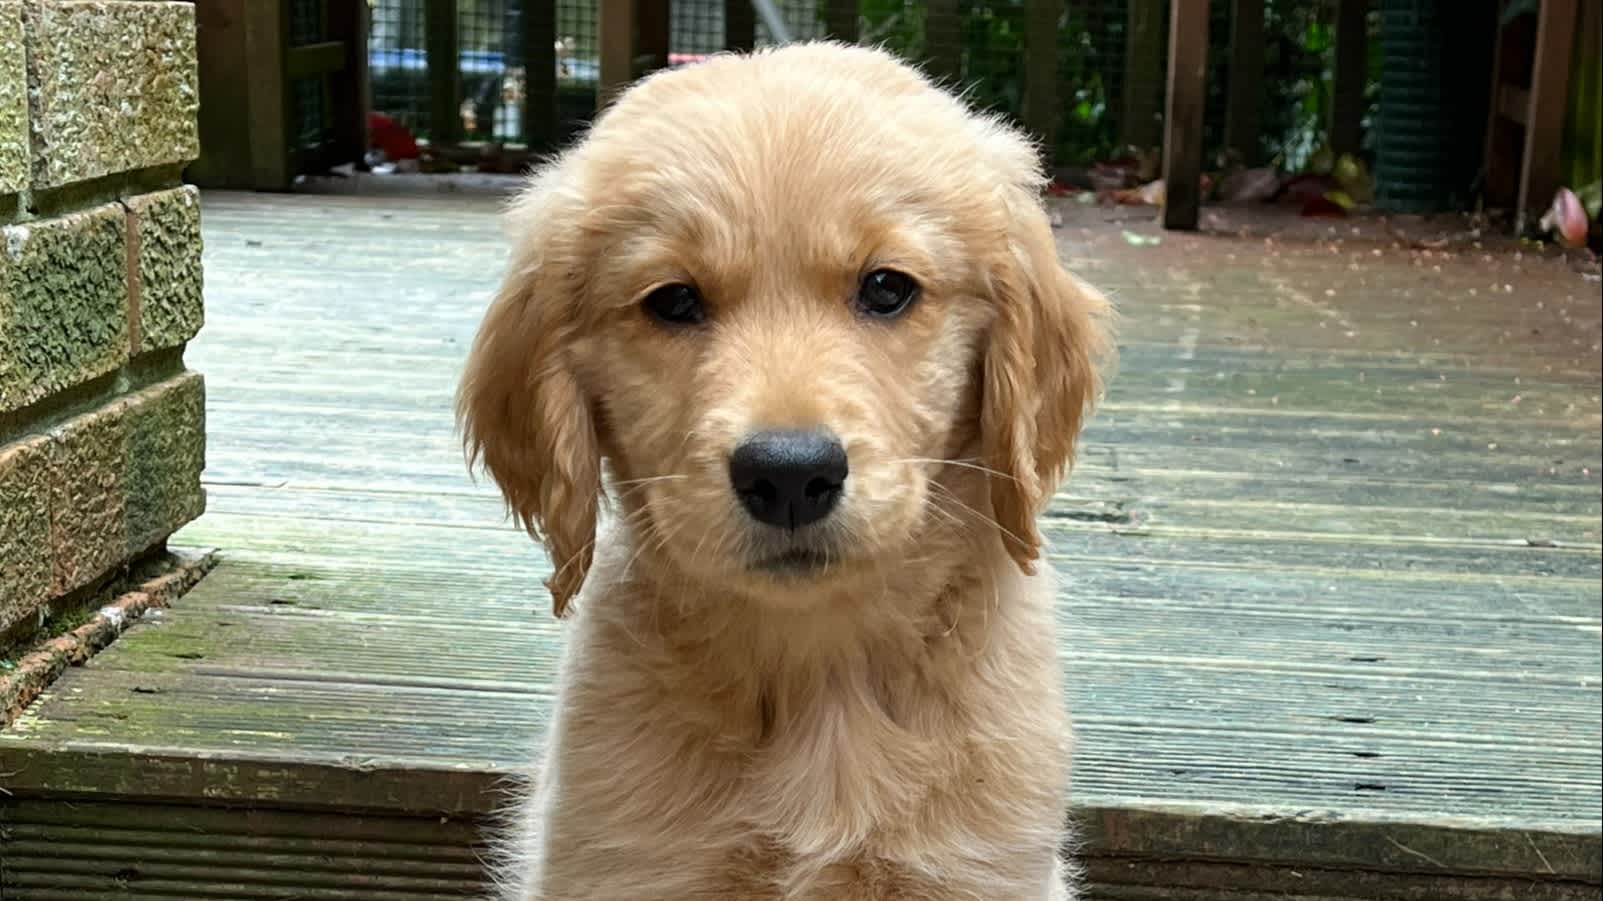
[[1330, 606]]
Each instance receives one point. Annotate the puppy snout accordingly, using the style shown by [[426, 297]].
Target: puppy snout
[[789, 478]]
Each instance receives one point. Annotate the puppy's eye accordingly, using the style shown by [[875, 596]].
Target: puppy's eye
[[675, 305], [886, 293]]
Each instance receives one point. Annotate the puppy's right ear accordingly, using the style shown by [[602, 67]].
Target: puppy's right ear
[[522, 411]]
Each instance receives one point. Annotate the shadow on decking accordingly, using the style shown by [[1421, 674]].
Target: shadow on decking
[[1330, 584]]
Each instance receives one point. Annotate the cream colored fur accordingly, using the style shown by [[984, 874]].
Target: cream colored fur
[[893, 727]]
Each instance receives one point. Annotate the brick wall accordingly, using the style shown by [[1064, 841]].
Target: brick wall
[[102, 436]]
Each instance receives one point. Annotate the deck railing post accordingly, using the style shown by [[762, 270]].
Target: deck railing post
[[1246, 79], [1350, 77], [349, 23], [1182, 140], [616, 32], [539, 73], [1141, 115], [740, 25], [840, 19], [1542, 161], [267, 92], [1042, 20], [442, 47], [653, 24], [943, 39]]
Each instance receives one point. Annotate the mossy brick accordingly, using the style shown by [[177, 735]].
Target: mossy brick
[[13, 100], [115, 86], [166, 427], [166, 231], [88, 535], [63, 303], [124, 477], [24, 529]]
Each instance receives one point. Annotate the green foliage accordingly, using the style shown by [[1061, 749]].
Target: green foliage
[[896, 25], [993, 55], [992, 36], [1297, 85], [1305, 45], [1583, 121]]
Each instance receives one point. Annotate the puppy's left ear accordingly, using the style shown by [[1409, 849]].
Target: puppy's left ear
[[1043, 371]]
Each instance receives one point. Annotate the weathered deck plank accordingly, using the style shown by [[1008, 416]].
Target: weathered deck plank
[[1330, 583]]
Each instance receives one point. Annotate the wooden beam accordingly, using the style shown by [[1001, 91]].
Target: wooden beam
[[840, 19], [740, 25], [225, 86], [943, 39], [444, 68], [1141, 118], [540, 74], [1041, 18], [1540, 170], [350, 98], [1182, 141], [321, 58], [1351, 76], [1243, 108], [1503, 142], [616, 30], [267, 93], [652, 28]]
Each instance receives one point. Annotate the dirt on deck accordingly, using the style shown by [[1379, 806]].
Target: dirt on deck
[[1419, 285]]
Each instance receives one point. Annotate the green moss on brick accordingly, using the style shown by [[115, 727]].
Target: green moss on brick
[[168, 233], [166, 427], [87, 513], [123, 477], [24, 530], [13, 100], [63, 303], [114, 87]]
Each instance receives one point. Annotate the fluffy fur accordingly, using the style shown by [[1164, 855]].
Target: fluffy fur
[[890, 727]]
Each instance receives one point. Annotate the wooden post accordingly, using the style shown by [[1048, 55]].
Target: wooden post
[[1351, 76], [540, 74], [1182, 142], [1544, 119], [348, 86], [840, 19], [943, 39], [444, 68], [652, 28], [225, 88], [1246, 79], [616, 29], [267, 93], [740, 25], [1140, 122], [1041, 18]]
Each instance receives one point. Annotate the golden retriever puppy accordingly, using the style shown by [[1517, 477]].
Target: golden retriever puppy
[[795, 322]]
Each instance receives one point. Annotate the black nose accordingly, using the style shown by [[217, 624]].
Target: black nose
[[788, 478]]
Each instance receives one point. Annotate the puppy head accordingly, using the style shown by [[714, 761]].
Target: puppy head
[[784, 296]]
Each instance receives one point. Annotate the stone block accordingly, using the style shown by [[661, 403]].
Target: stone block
[[24, 529], [165, 229], [115, 87], [166, 427], [124, 477], [88, 531], [13, 100], [63, 303]]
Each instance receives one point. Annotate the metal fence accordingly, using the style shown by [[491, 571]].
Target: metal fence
[[1108, 72]]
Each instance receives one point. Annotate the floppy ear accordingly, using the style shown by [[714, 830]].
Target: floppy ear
[[1041, 373], [522, 411]]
